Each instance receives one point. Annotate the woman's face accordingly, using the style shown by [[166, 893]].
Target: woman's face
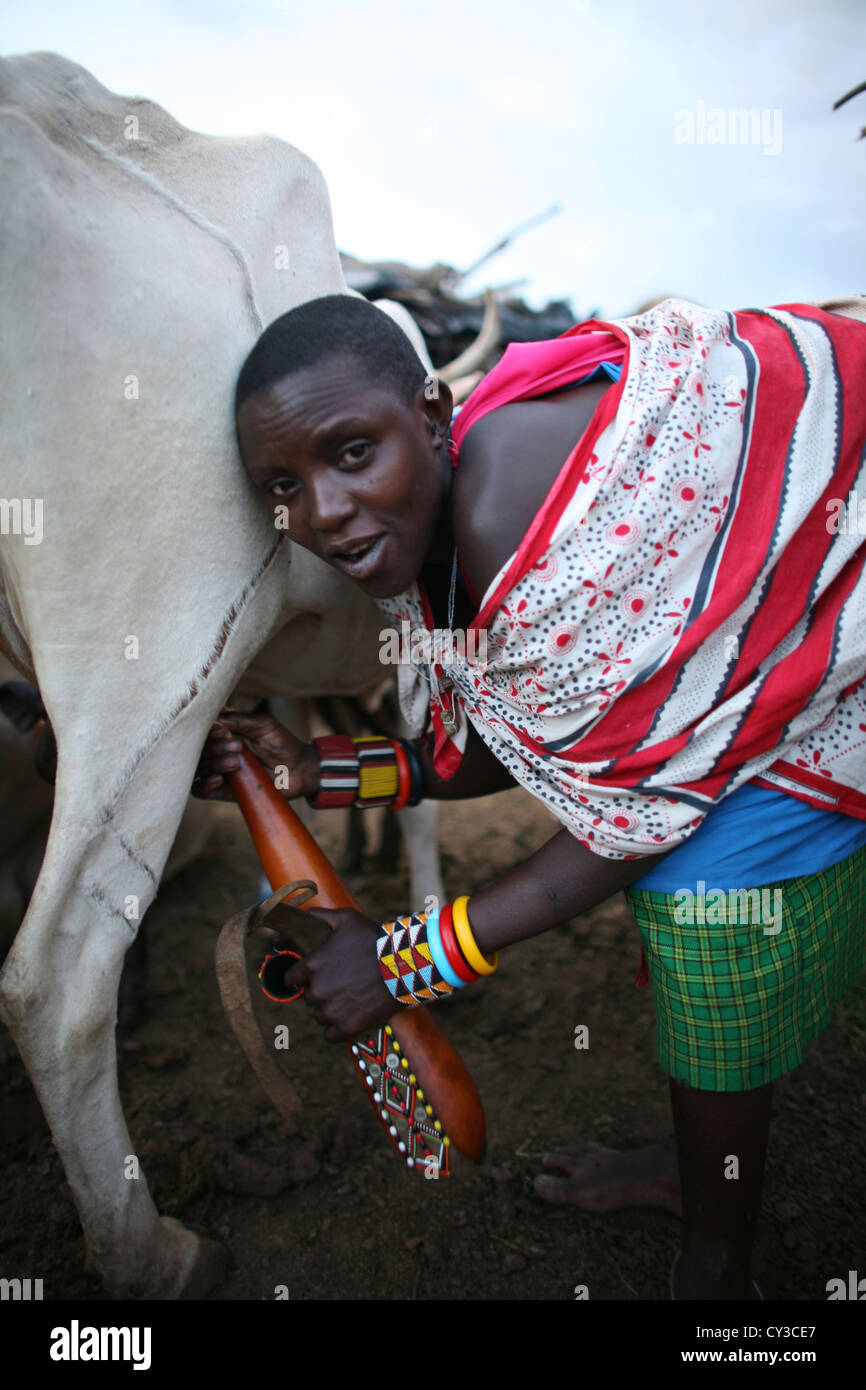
[[354, 466]]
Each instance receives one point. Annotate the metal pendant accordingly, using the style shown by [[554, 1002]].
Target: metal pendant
[[449, 719]]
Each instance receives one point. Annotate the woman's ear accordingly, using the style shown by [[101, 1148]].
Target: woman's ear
[[436, 401]]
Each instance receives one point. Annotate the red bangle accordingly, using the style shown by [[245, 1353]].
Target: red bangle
[[452, 950], [404, 776]]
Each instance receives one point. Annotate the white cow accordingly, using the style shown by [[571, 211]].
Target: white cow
[[140, 261], [26, 803]]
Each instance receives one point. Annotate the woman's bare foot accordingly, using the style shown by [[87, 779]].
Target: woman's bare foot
[[601, 1180]]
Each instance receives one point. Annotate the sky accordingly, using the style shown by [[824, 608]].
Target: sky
[[439, 127]]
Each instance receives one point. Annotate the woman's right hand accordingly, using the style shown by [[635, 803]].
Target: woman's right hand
[[268, 741]]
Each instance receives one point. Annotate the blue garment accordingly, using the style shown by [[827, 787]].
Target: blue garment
[[756, 836], [613, 370]]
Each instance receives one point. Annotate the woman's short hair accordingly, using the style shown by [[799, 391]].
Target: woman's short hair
[[336, 325]]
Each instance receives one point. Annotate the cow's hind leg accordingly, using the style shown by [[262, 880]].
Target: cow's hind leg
[[58, 996], [189, 842], [59, 1001]]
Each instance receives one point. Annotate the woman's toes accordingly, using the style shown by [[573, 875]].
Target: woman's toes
[[555, 1189], [599, 1179]]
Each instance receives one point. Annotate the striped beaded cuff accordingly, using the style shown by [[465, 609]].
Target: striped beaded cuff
[[406, 962], [338, 773], [379, 780]]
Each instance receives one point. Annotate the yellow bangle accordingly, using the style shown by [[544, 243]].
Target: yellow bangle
[[484, 965]]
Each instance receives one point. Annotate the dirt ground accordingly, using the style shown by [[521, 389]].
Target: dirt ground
[[333, 1214]]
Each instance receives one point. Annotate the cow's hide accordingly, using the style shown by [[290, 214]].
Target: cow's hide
[[139, 263]]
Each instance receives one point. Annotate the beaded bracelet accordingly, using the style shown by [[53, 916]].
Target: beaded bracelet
[[365, 772], [423, 956], [378, 781], [406, 962], [338, 772]]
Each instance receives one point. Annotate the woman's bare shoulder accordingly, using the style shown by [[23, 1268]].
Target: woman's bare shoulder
[[509, 461]]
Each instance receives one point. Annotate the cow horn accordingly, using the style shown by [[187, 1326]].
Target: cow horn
[[464, 386], [476, 352], [854, 92]]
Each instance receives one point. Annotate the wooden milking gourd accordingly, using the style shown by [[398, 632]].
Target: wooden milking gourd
[[420, 1087]]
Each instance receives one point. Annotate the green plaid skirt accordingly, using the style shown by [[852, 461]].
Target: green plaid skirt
[[740, 991]]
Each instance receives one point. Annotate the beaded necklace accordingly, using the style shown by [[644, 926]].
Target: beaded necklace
[[445, 683]]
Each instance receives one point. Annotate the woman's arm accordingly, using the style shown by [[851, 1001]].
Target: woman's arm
[[480, 771], [561, 880]]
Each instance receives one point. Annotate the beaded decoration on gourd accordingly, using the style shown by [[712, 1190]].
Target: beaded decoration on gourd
[[403, 1109]]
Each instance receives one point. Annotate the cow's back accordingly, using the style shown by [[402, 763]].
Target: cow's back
[[250, 187], [136, 275]]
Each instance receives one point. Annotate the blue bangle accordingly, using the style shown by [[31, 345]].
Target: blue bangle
[[437, 951]]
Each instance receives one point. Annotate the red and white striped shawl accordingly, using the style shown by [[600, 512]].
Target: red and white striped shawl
[[684, 613]]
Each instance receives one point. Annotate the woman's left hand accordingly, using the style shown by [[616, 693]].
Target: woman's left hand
[[341, 979]]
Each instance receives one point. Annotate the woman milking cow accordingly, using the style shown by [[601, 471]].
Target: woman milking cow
[[639, 517]]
